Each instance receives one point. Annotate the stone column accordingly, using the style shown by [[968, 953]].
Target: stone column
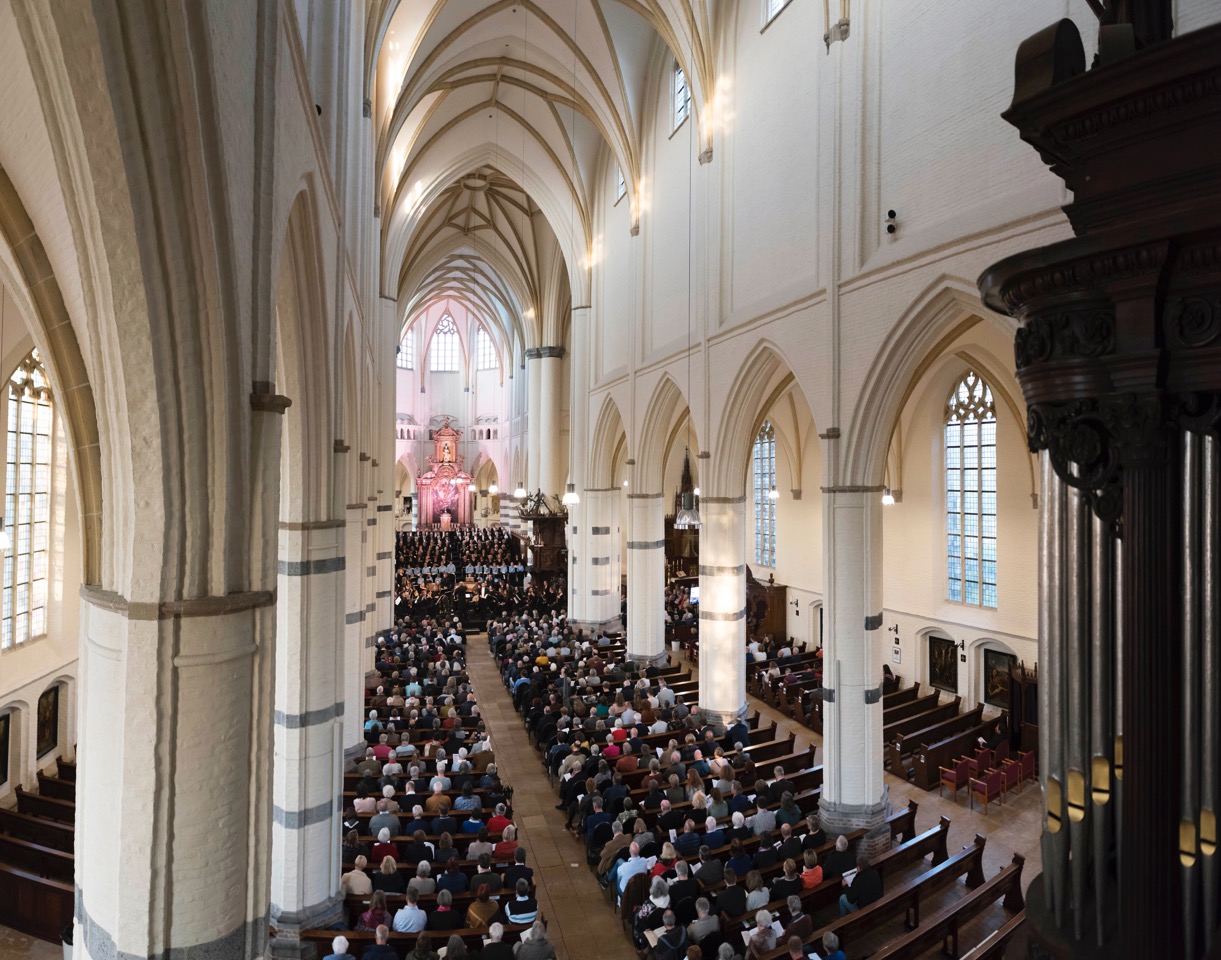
[[535, 420], [646, 576], [357, 659], [594, 566], [552, 454], [308, 732], [174, 776], [723, 608], [854, 791]]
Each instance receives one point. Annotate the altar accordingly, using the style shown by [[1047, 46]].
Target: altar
[[444, 491]]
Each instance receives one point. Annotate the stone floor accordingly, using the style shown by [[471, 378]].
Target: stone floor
[[17, 946]]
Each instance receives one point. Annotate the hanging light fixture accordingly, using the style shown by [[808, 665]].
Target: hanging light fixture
[[520, 492], [493, 489], [688, 517], [571, 498], [772, 493], [888, 498]]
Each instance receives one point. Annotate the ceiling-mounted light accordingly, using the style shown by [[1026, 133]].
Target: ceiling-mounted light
[[773, 493], [625, 481], [571, 498], [696, 491], [688, 514], [888, 498], [520, 492], [493, 489]]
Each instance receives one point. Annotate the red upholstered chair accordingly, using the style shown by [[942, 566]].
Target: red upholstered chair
[[1002, 753], [986, 790], [981, 763], [1011, 777], [1026, 759], [955, 777]]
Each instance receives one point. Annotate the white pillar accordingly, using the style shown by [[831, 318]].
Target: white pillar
[[646, 576], [357, 658], [535, 425], [594, 569], [723, 608], [308, 732], [854, 790], [552, 454]]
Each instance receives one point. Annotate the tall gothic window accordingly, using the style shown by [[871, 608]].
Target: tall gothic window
[[620, 185], [682, 96], [443, 357], [485, 351], [970, 492], [405, 355], [764, 462], [27, 503]]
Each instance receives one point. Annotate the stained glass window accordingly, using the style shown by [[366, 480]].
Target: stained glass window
[[764, 465], [970, 492]]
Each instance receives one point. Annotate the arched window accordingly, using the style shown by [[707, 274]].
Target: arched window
[[405, 355], [485, 351], [764, 461], [27, 503], [970, 492], [682, 96], [620, 184], [443, 357]]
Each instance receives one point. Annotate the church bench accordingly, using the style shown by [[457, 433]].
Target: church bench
[[904, 901], [900, 711], [56, 788], [768, 752], [907, 743], [47, 807], [914, 850], [943, 928], [461, 840], [404, 943], [921, 721], [49, 833], [37, 858], [35, 905], [993, 948], [66, 768], [930, 758]]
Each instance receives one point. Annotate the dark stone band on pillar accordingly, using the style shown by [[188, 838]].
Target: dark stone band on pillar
[[540, 353], [723, 617], [711, 571], [356, 617], [308, 568], [599, 531], [645, 544], [295, 721], [874, 622], [874, 695], [300, 819]]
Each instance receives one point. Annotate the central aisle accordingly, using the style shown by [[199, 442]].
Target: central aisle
[[580, 921]]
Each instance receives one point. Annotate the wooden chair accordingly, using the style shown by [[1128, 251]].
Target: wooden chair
[[981, 763], [1026, 759], [987, 789], [955, 777], [1002, 753]]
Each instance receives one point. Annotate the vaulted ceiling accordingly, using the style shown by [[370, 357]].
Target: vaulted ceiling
[[494, 121]]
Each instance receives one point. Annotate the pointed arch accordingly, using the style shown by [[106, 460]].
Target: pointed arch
[[666, 411], [762, 379], [608, 435]]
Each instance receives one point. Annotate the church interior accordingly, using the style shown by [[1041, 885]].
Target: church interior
[[751, 467]]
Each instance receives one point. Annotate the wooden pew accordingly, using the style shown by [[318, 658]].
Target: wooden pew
[[905, 901], [38, 859], [921, 721], [34, 905], [62, 810], [943, 928], [57, 788], [355, 906], [929, 759], [909, 742], [48, 833], [993, 948], [67, 769], [901, 711], [404, 943]]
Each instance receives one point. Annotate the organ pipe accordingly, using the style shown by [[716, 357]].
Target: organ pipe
[[1189, 702], [1054, 839], [1210, 678], [1076, 704], [1102, 669]]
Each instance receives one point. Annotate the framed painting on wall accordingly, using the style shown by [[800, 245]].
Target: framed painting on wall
[[943, 664], [48, 720], [5, 725], [996, 677]]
